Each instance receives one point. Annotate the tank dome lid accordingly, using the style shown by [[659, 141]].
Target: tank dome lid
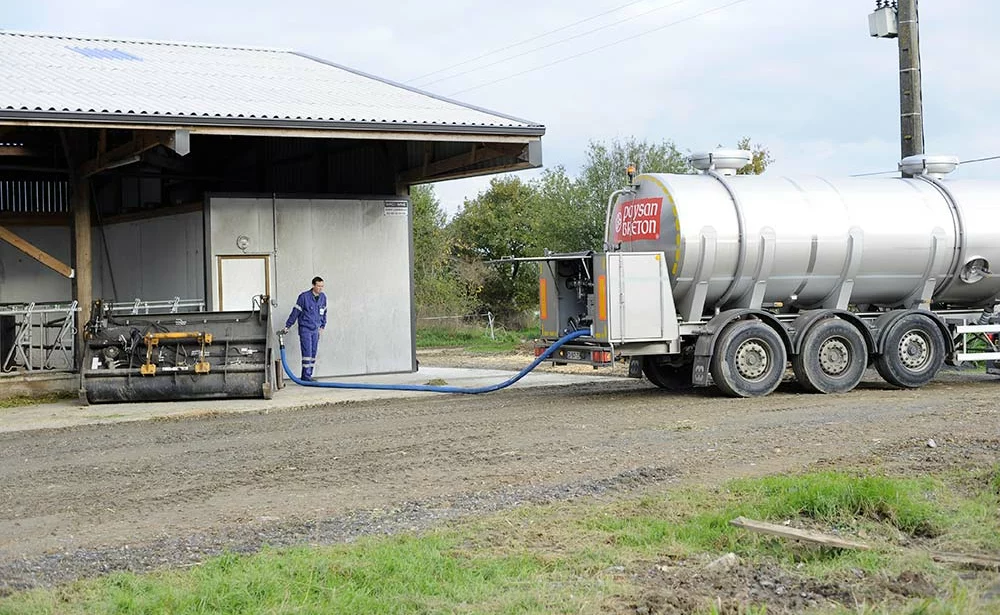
[[724, 161], [932, 166]]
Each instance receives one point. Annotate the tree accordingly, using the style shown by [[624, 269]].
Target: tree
[[428, 229], [604, 171], [761, 157], [495, 224], [563, 220], [438, 291]]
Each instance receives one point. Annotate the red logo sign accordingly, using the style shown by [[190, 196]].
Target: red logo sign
[[638, 220]]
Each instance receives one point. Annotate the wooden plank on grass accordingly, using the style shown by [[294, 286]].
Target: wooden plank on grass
[[984, 562], [820, 538]]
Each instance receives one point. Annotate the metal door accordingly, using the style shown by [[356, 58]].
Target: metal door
[[241, 278]]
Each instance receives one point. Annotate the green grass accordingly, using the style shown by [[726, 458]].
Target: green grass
[[861, 508], [563, 558], [23, 400], [391, 575], [994, 479], [473, 338]]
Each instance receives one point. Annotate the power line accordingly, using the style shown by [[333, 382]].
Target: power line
[[553, 44], [527, 40], [595, 49], [980, 160], [987, 159], [875, 173]]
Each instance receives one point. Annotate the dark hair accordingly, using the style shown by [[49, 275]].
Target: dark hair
[[317, 279]]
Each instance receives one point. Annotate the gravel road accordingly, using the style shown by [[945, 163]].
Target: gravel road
[[81, 501]]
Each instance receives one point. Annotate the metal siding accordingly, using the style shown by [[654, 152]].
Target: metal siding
[[228, 219], [23, 279], [360, 253], [107, 77], [155, 259]]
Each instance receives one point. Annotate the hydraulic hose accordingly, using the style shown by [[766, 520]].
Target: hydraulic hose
[[427, 387]]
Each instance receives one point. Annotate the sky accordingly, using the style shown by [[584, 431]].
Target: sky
[[801, 77]]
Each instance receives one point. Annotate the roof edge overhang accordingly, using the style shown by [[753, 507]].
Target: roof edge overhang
[[261, 126]]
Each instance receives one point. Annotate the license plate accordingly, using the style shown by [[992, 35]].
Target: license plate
[[574, 355]]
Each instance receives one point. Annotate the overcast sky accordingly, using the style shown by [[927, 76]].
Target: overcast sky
[[803, 77]]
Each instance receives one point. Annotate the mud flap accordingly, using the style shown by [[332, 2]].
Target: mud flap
[[700, 376], [635, 367]]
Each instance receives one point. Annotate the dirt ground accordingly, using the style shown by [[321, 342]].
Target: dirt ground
[[82, 501]]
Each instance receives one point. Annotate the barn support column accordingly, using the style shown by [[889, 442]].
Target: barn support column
[[83, 283]]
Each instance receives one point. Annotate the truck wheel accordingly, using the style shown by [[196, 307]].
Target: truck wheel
[[914, 352], [749, 359], [668, 376], [833, 358]]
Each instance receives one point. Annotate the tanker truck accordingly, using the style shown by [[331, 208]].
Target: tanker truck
[[721, 279]]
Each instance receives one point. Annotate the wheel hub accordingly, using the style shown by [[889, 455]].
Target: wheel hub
[[752, 359], [834, 356], [914, 350]]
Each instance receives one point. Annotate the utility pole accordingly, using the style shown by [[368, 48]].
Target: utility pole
[[899, 19], [911, 104]]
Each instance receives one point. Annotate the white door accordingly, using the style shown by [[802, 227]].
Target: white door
[[241, 278]]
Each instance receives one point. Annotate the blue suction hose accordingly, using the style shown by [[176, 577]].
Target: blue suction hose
[[427, 387]]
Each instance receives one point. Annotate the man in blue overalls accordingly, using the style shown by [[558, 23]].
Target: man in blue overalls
[[310, 311]]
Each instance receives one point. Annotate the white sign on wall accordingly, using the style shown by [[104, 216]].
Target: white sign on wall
[[395, 208]]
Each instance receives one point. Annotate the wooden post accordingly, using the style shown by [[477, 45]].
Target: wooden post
[[83, 288], [910, 94]]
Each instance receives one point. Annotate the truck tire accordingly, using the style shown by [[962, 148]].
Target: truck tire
[[914, 352], [833, 357], [749, 359], [667, 376]]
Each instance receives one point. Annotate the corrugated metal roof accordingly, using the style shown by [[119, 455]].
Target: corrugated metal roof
[[57, 78]]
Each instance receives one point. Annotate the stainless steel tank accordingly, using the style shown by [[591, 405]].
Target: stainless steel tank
[[812, 242]]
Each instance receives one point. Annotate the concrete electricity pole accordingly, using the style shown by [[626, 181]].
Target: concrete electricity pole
[[898, 19]]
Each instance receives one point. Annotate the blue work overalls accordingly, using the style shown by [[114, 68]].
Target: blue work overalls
[[310, 311]]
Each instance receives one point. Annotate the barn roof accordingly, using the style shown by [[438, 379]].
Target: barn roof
[[59, 79]]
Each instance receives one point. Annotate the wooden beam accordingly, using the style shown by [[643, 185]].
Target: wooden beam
[[17, 150], [36, 253], [442, 167], [157, 212], [505, 168], [130, 152], [789, 532], [310, 133], [982, 562], [82, 257], [12, 219]]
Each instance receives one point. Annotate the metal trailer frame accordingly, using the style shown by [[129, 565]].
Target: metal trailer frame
[[603, 291]]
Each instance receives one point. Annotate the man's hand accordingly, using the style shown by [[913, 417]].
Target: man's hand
[[283, 331], [321, 329]]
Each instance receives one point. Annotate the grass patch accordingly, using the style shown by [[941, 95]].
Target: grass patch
[[473, 338], [33, 400], [592, 558], [390, 575], [833, 500]]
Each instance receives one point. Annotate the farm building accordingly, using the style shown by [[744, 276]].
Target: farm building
[[159, 172]]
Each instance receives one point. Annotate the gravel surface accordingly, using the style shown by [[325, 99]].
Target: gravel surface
[[82, 501]]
